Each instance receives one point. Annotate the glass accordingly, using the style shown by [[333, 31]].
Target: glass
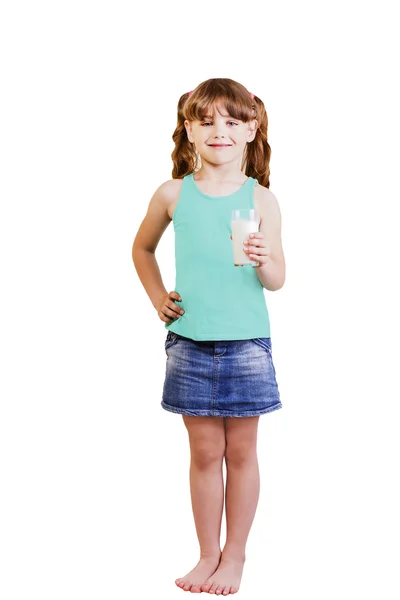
[[244, 222]]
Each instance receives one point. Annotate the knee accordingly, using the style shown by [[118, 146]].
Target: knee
[[239, 454], [205, 455]]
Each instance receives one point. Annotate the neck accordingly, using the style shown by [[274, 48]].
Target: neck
[[219, 173]]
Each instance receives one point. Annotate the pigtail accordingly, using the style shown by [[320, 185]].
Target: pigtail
[[184, 156], [258, 152]]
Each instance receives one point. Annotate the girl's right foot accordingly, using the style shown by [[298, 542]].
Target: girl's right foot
[[202, 571]]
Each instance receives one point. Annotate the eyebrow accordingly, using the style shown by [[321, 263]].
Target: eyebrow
[[225, 116]]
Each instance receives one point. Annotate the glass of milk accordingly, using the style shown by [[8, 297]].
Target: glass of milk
[[244, 222]]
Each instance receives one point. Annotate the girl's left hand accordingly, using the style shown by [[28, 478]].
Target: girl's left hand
[[257, 248]]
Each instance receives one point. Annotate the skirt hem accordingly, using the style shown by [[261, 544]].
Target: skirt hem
[[220, 413]]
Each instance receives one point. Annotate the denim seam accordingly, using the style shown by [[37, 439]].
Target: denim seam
[[262, 345], [215, 382], [210, 413]]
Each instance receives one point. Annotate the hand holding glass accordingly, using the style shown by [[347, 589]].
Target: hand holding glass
[[244, 222]]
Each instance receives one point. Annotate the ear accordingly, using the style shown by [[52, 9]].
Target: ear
[[252, 130], [188, 127]]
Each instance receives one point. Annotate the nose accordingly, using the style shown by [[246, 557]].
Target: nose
[[218, 133], [218, 130]]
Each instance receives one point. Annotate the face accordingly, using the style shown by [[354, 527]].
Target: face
[[220, 138]]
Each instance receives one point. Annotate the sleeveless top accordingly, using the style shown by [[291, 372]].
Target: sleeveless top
[[221, 301]]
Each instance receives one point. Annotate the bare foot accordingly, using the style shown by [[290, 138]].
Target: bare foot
[[202, 571], [226, 579]]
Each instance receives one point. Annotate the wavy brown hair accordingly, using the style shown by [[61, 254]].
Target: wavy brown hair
[[194, 106]]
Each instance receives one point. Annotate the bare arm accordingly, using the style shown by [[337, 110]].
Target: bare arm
[[272, 275], [144, 246]]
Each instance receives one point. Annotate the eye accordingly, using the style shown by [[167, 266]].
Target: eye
[[230, 123]]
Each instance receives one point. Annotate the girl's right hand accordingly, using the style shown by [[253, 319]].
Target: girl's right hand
[[167, 310]]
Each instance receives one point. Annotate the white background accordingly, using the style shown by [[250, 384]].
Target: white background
[[94, 473]]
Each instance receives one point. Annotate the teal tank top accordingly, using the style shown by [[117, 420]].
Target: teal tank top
[[221, 301]]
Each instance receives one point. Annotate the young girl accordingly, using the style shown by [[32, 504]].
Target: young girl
[[220, 374]]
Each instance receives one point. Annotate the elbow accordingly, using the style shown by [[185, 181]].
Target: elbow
[[280, 284], [135, 250], [138, 251], [277, 284], [282, 281], [275, 288], [279, 287]]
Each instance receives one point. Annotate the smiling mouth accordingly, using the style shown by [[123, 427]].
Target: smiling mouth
[[220, 145]]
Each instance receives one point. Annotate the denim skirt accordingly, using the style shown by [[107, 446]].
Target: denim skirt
[[234, 378]]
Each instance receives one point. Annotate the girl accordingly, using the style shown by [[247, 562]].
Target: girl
[[220, 374]]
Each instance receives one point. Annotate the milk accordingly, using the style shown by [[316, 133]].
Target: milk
[[241, 228]]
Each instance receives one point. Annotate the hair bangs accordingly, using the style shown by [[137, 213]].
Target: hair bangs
[[234, 97]]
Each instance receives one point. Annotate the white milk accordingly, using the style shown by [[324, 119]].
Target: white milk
[[241, 228]]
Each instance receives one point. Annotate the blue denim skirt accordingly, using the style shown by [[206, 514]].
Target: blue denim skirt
[[234, 378]]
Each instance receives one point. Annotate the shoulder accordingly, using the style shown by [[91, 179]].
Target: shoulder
[[158, 215], [266, 203], [169, 189], [168, 194], [264, 195]]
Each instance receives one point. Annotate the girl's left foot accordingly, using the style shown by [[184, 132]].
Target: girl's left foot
[[226, 579]]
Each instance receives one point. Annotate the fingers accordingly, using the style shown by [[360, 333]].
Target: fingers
[[170, 311], [255, 240], [256, 248], [259, 250], [176, 296], [164, 318], [256, 244]]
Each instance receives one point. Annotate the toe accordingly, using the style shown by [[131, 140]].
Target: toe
[[213, 588], [225, 592], [233, 590], [205, 587], [220, 589], [195, 588], [187, 586]]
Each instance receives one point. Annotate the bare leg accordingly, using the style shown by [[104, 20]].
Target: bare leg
[[242, 493], [207, 450]]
